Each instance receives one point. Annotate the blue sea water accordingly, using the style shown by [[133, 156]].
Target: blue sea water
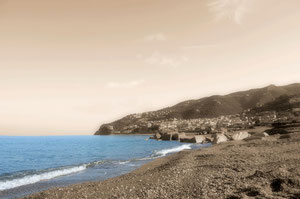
[[34, 163]]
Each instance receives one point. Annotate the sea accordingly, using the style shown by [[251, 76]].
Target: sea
[[31, 164]]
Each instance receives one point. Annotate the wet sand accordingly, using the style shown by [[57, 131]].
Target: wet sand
[[268, 168]]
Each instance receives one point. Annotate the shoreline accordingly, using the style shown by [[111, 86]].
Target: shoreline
[[92, 171], [130, 134], [268, 168]]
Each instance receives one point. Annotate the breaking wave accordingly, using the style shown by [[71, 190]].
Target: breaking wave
[[164, 152], [46, 175], [50, 174]]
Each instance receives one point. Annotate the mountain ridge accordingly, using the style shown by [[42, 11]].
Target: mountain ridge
[[208, 107]]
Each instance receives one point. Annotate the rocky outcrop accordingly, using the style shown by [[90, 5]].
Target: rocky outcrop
[[105, 130]]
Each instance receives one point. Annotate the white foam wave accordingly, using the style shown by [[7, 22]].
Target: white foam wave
[[123, 162], [173, 150], [147, 158], [9, 184]]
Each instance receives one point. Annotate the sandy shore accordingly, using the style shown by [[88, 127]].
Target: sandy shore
[[268, 168]]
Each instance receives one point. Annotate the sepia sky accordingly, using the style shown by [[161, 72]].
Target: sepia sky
[[67, 66]]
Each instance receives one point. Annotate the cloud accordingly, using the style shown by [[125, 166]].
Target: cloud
[[163, 60], [156, 37], [233, 10], [129, 84]]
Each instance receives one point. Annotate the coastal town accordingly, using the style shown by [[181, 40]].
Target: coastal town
[[193, 122], [198, 121], [245, 120]]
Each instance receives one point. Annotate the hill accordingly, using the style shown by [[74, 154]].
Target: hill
[[260, 99]]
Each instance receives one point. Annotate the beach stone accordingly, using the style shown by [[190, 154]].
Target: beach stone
[[240, 135], [219, 138]]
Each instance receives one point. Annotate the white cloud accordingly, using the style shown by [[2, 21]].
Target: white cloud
[[156, 37], [164, 60], [129, 84], [233, 10]]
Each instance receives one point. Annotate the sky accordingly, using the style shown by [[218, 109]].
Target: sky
[[68, 66]]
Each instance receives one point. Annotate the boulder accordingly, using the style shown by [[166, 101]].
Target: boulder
[[240, 135], [198, 139], [219, 138], [188, 139], [257, 136], [177, 136], [208, 139], [193, 139], [167, 136], [157, 135]]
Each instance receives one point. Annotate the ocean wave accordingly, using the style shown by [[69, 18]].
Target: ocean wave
[[123, 162], [154, 155], [9, 184], [92, 164], [50, 174], [148, 158], [164, 152], [161, 153]]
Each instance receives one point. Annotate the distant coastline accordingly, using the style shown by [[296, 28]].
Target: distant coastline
[[210, 115]]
